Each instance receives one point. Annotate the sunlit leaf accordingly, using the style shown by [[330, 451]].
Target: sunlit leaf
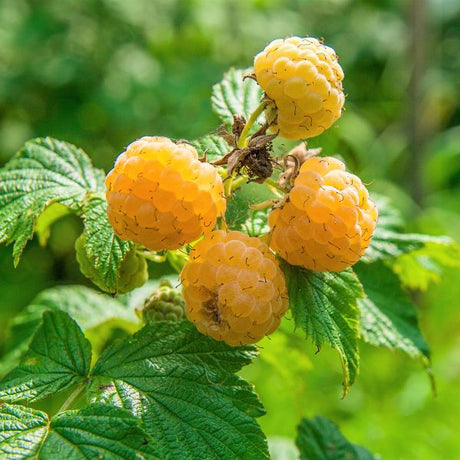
[[43, 172], [325, 306], [181, 384], [235, 95], [104, 249], [22, 431]]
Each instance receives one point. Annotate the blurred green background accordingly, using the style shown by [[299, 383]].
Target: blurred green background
[[102, 73]]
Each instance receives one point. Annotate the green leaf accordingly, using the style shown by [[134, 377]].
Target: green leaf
[[422, 266], [182, 385], [388, 317], [239, 214], [45, 171], [212, 145], [388, 241], [320, 439], [22, 431], [46, 219], [97, 431], [325, 306], [235, 96], [104, 249], [59, 356], [90, 309]]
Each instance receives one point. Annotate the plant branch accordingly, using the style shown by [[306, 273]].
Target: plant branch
[[242, 141]]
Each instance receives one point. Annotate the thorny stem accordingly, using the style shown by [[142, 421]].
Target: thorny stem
[[74, 395], [242, 141]]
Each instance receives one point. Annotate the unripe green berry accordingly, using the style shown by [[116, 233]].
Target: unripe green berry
[[165, 304]]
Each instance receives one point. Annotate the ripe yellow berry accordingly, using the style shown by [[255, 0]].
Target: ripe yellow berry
[[304, 80], [161, 196], [327, 220], [233, 288]]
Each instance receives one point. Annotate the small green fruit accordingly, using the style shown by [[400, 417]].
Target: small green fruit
[[165, 304]]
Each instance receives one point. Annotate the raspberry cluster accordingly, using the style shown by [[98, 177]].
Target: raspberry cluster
[[327, 219], [233, 288], [304, 80], [161, 196]]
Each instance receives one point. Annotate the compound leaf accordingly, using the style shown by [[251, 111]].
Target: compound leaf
[[104, 249], [388, 317], [183, 388], [235, 95], [320, 439], [59, 356], [43, 172], [325, 306], [22, 431]]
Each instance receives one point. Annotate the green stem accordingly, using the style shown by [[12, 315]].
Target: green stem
[[71, 399], [237, 183], [242, 141], [269, 181]]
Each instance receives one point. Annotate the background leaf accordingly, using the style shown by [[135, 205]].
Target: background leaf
[[182, 385], [45, 171], [388, 241], [104, 249], [89, 308], [427, 264], [388, 316], [22, 431], [320, 439], [59, 356], [234, 96], [325, 306]]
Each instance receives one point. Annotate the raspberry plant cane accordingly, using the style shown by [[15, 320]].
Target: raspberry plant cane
[[250, 230]]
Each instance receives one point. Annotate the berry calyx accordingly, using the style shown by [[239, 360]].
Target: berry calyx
[[326, 221], [233, 288], [161, 196], [303, 79]]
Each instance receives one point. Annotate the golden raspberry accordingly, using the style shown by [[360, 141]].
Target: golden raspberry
[[161, 196], [304, 80], [233, 288], [327, 220]]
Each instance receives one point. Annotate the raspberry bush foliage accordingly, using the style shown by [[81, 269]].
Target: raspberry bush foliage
[[259, 231]]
